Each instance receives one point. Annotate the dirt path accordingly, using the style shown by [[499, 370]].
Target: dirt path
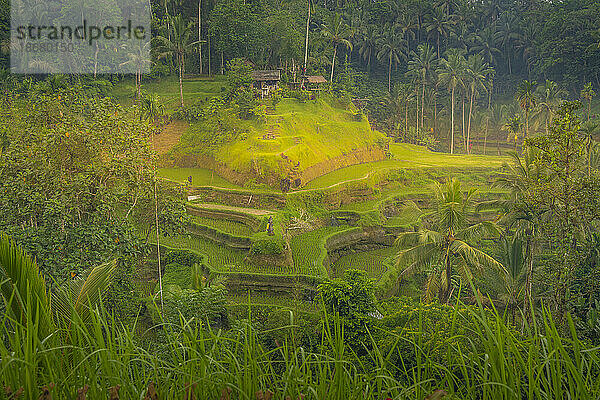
[[169, 137], [336, 184], [211, 206]]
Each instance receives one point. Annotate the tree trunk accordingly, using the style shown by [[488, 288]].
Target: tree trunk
[[181, 80], [390, 75], [200, 34], [208, 40], [417, 109], [487, 122], [452, 126], [435, 111], [306, 44], [463, 122], [469, 126], [333, 63], [222, 63], [423, 105], [406, 117]]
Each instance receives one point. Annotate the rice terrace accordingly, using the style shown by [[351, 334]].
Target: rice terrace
[[294, 200]]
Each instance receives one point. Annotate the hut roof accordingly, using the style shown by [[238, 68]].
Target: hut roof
[[316, 79], [267, 75]]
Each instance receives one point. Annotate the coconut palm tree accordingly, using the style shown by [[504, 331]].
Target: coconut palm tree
[[485, 42], [392, 48], [177, 44], [514, 126], [588, 94], [478, 72], [421, 65], [445, 240], [337, 33], [549, 95], [450, 73], [368, 45], [518, 211], [590, 130], [527, 100], [439, 25], [406, 25]]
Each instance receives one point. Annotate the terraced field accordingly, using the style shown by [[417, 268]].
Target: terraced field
[[408, 156], [231, 227], [373, 262], [308, 250], [287, 302]]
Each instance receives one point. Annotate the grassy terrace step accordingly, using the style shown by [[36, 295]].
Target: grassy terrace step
[[242, 210], [243, 302], [372, 261], [309, 252], [409, 156], [223, 225]]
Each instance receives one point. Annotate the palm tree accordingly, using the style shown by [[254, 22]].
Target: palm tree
[[549, 95], [422, 65], [444, 241], [527, 100], [588, 93], [513, 126], [439, 25], [512, 256], [337, 33], [392, 49], [152, 109], [477, 73], [27, 299], [519, 213], [138, 58], [406, 26], [368, 45], [589, 130], [176, 45], [450, 73], [485, 42], [307, 31], [507, 36]]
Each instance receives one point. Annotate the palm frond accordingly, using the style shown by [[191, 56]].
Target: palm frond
[[416, 258], [79, 294], [474, 257]]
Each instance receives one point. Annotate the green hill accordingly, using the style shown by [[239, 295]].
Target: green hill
[[295, 139]]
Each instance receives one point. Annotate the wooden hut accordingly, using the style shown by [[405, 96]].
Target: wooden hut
[[266, 81], [314, 82]]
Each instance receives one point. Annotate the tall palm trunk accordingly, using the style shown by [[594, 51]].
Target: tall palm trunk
[[469, 126], [306, 42], [180, 59], [417, 109], [200, 34], [423, 105], [390, 74], [406, 117], [487, 122], [333, 63], [452, 125], [464, 135]]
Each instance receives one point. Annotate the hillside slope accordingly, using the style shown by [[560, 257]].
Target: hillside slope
[[298, 140]]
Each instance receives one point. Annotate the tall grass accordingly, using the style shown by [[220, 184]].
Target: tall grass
[[498, 362]]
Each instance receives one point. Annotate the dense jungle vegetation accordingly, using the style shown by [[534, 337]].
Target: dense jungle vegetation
[[423, 224]]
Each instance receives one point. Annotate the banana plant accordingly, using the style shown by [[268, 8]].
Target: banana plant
[[26, 296]]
